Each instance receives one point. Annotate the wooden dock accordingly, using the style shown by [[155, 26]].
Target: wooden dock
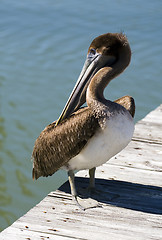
[[130, 198]]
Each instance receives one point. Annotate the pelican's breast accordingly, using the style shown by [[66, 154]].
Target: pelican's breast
[[105, 143]]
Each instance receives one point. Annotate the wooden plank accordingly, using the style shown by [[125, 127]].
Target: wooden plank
[[141, 155], [57, 216], [129, 193], [150, 128]]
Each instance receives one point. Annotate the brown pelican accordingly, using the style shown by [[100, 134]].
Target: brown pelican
[[85, 138]]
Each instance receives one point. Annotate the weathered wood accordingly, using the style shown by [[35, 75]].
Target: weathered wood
[[150, 128], [130, 195]]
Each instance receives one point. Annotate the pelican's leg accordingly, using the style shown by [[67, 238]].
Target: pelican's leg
[[93, 191], [92, 179], [72, 183], [91, 188], [88, 202], [73, 188]]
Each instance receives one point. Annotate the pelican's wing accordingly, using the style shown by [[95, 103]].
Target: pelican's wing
[[56, 145], [127, 102]]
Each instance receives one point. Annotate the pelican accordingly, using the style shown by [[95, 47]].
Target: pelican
[[87, 137]]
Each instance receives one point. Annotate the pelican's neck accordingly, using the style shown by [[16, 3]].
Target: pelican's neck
[[105, 75]]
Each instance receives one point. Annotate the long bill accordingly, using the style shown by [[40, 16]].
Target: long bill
[[94, 62], [89, 69]]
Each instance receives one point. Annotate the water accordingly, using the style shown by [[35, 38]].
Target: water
[[43, 45]]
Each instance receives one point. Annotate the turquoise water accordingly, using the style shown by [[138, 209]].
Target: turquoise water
[[43, 45]]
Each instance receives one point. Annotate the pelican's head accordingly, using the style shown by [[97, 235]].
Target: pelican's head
[[104, 51]]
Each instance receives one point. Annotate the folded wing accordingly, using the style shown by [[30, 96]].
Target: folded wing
[[56, 145]]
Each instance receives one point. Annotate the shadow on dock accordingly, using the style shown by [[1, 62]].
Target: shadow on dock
[[144, 198]]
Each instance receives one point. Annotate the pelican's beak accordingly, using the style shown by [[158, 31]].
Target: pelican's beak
[[93, 63]]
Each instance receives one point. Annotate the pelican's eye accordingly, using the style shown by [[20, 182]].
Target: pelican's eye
[[92, 51]]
